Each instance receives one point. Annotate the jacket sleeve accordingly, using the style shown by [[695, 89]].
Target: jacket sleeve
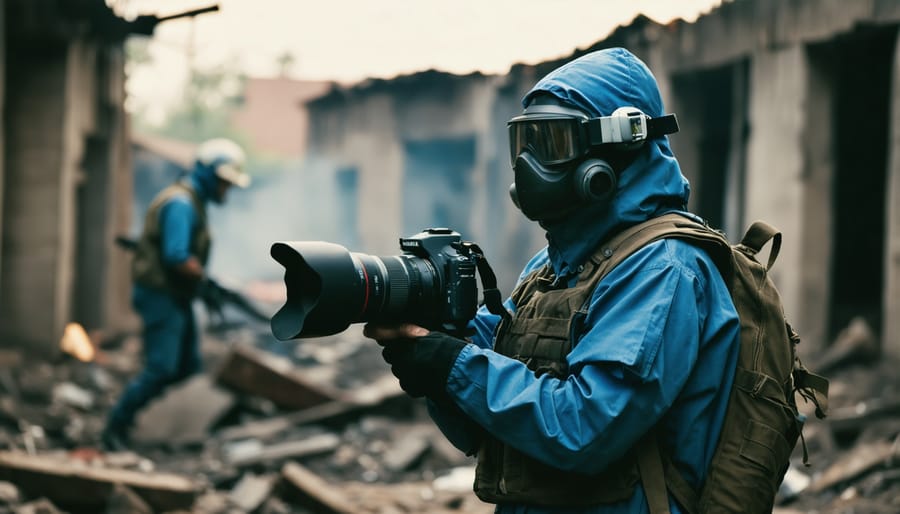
[[456, 426], [638, 348], [176, 221]]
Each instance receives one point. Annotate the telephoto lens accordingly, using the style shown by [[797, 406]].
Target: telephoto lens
[[432, 283]]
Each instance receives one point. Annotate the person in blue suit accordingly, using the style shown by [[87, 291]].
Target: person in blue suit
[[557, 398], [168, 270]]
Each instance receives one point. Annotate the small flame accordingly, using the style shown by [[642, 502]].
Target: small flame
[[77, 343]]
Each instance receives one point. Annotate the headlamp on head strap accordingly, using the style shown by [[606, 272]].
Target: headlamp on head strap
[[554, 136]]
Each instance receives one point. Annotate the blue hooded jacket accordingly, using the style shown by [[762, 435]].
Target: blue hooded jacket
[[659, 345], [178, 218]]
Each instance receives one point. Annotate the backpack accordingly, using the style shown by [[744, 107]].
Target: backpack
[[762, 423]]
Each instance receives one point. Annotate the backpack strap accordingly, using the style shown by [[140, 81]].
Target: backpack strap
[[626, 242], [652, 476], [658, 475], [757, 236]]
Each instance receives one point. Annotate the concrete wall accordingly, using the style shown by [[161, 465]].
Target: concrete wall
[[369, 131], [775, 61], [66, 188], [778, 87], [39, 192]]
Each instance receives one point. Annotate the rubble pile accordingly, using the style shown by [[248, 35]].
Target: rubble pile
[[854, 454], [316, 425], [321, 426]]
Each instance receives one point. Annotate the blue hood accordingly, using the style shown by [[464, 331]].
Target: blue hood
[[598, 83], [203, 180]]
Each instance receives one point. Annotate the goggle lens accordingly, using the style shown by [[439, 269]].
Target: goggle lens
[[551, 141]]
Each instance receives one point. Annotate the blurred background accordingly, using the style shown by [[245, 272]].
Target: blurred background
[[367, 121]]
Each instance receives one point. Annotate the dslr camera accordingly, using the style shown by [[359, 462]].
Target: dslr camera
[[431, 283]]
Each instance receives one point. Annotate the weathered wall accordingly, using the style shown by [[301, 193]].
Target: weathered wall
[[38, 197], [769, 65], [66, 189], [775, 158]]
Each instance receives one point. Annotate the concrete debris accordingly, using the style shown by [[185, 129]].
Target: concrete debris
[[314, 493], [321, 425], [403, 454], [855, 343], [122, 500], [185, 414], [39, 506], [458, 480], [253, 372], [794, 483], [252, 490], [70, 394], [861, 460], [9, 494]]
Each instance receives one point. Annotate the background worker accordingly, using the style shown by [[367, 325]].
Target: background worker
[[169, 270]]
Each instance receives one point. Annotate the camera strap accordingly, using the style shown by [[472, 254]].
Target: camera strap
[[492, 297]]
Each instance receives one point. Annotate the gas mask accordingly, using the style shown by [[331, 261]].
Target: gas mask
[[564, 159]]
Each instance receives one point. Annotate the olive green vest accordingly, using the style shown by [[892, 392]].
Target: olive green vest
[[540, 335], [147, 268]]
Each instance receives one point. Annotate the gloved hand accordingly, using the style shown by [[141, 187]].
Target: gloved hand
[[422, 363], [211, 294]]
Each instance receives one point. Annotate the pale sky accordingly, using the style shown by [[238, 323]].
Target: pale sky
[[350, 40]]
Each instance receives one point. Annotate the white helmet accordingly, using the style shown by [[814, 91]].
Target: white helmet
[[227, 158]]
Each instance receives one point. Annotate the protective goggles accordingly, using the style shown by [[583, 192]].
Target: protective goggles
[[554, 138]]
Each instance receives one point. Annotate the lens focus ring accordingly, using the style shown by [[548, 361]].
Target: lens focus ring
[[399, 282]]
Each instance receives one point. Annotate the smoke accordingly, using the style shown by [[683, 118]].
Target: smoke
[[291, 201]]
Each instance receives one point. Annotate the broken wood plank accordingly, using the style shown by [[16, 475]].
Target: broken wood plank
[[259, 373], [270, 427], [73, 484], [312, 492], [275, 453], [332, 413]]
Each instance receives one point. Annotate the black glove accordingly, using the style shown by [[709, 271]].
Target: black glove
[[422, 364]]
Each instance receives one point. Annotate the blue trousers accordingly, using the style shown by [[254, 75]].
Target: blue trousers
[[171, 352]]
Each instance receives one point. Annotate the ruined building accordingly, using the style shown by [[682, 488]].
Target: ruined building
[[789, 112], [65, 171]]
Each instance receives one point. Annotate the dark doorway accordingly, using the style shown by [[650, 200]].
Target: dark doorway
[[716, 99], [861, 126], [436, 184]]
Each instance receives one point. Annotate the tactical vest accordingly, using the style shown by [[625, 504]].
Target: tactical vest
[[147, 268], [540, 334], [761, 425]]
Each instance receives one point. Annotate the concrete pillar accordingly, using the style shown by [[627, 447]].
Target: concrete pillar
[[102, 284], [891, 328], [3, 34], [39, 198], [775, 162]]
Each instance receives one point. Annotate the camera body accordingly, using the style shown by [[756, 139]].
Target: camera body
[[432, 283], [455, 267]]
